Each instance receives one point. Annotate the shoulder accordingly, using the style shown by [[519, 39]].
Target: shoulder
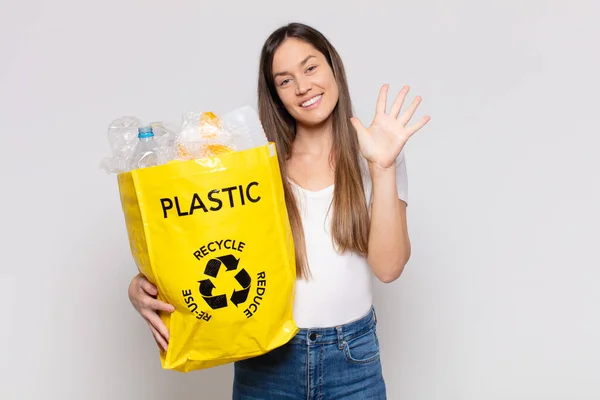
[[401, 177], [364, 166]]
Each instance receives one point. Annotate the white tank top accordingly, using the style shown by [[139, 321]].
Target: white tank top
[[341, 287]]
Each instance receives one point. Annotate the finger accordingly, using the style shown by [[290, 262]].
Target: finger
[[160, 341], [157, 324], [415, 127], [157, 339], [157, 305], [382, 100], [148, 287], [397, 106], [404, 118]]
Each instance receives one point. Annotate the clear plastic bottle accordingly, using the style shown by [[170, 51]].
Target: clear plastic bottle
[[246, 122], [146, 152]]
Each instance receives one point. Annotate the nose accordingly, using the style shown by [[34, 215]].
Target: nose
[[303, 85]]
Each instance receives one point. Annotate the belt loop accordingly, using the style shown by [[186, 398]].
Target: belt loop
[[340, 337], [374, 315]]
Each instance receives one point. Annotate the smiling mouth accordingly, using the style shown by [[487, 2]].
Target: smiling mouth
[[312, 101]]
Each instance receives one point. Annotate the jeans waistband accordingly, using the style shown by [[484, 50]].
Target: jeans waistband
[[336, 334]]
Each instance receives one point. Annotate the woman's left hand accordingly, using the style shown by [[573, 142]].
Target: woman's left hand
[[382, 142]]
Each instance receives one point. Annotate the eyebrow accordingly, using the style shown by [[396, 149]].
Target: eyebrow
[[301, 63]]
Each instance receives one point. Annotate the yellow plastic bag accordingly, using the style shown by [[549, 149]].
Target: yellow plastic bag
[[213, 235]]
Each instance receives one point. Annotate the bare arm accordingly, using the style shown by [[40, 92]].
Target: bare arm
[[389, 243]]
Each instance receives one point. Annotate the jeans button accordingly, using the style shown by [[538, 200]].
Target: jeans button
[[312, 336]]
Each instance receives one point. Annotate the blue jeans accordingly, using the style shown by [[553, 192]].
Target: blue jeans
[[341, 362]]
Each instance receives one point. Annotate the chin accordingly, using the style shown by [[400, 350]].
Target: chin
[[313, 122], [314, 119]]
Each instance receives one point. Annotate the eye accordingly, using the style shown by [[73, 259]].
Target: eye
[[311, 68], [284, 82]]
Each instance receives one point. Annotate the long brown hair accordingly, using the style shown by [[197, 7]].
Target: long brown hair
[[350, 218]]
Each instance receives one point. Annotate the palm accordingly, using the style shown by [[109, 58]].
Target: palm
[[382, 142]]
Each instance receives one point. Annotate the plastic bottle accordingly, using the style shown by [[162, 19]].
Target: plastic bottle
[[146, 152], [247, 121]]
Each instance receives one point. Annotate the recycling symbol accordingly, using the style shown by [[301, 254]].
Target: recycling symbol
[[213, 266]]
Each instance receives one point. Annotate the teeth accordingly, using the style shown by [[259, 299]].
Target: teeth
[[311, 101]]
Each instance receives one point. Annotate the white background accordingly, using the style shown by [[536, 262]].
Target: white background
[[501, 297]]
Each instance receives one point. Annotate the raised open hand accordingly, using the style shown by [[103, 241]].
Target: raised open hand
[[382, 142]]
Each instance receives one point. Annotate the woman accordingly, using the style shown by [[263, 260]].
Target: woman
[[345, 190]]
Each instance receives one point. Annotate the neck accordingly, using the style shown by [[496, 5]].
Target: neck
[[314, 140]]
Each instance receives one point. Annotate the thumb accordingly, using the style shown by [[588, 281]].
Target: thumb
[[361, 131]]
